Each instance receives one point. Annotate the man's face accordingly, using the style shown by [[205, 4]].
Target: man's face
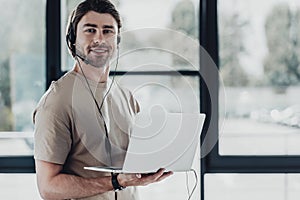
[[96, 38]]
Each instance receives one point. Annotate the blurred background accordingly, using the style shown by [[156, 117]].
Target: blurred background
[[259, 66]]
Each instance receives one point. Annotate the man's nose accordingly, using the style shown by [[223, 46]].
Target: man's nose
[[99, 38]]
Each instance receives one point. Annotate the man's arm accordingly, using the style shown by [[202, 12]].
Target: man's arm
[[53, 184]]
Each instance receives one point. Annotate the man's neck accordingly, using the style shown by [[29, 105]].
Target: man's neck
[[99, 75]]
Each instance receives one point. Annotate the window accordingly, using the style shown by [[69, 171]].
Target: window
[[19, 186], [259, 64], [256, 149], [22, 77], [22, 83]]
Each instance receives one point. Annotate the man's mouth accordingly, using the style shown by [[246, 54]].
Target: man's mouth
[[99, 50]]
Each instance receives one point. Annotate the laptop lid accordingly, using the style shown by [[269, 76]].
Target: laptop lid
[[166, 140]]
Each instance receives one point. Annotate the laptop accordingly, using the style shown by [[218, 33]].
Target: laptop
[[162, 140]]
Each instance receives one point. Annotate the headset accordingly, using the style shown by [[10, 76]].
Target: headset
[[71, 39]]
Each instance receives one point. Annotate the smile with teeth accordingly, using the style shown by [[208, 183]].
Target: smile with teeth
[[99, 50]]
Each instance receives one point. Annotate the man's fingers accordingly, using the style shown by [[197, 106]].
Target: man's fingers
[[145, 179], [160, 172], [156, 177], [138, 175], [165, 175]]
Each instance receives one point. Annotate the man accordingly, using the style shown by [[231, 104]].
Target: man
[[84, 119]]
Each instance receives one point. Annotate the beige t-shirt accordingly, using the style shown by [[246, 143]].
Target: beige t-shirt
[[70, 131]]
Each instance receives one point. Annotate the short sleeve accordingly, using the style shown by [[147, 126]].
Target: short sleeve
[[52, 137]]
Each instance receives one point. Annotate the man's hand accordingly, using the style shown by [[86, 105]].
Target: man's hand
[[126, 180]]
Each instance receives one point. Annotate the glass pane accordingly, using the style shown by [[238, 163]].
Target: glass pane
[[259, 65], [18, 186], [176, 187], [22, 72], [172, 93], [252, 186], [148, 37], [16, 143]]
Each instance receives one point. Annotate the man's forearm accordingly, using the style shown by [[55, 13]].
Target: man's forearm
[[64, 186], [55, 185]]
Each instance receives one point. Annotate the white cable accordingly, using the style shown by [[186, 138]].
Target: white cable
[[196, 183]]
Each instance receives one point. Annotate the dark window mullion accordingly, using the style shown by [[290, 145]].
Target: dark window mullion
[[208, 37], [153, 73], [17, 164], [53, 41], [252, 164], [157, 73]]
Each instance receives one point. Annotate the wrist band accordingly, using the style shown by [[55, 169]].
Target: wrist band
[[115, 183]]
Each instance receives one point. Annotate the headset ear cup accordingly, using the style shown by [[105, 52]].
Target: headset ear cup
[[71, 39], [72, 35], [118, 39]]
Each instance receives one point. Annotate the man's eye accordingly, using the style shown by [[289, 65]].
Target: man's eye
[[107, 31], [90, 30]]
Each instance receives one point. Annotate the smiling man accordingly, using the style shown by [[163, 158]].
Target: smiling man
[[84, 119], [100, 51]]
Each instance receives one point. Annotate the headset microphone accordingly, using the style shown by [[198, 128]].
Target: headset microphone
[[82, 58]]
